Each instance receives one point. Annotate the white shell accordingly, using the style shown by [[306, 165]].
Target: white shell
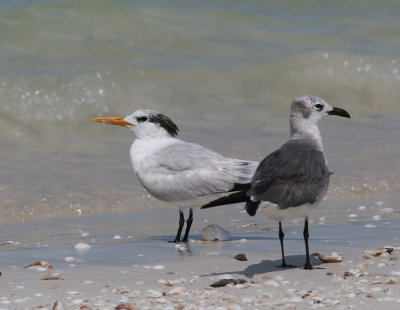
[[82, 246], [214, 232], [153, 294], [177, 290]]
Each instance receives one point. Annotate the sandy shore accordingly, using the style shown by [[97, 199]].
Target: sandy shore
[[155, 274]]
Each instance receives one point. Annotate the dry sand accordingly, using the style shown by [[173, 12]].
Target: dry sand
[[155, 274]]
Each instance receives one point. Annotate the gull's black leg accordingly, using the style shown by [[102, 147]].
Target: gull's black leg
[[189, 222], [181, 223], [281, 236], [306, 235]]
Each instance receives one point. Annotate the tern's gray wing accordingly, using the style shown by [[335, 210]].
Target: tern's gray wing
[[186, 170], [293, 175]]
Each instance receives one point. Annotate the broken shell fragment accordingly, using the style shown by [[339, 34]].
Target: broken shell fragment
[[241, 257], [333, 258], [224, 282], [52, 276], [177, 290], [392, 281], [385, 251], [40, 263], [125, 306]]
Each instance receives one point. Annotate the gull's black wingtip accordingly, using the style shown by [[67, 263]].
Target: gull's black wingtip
[[251, 207]]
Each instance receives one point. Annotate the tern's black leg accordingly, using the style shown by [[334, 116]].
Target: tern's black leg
[[189, 222], [181, 223], [281, 236], [306, 235]]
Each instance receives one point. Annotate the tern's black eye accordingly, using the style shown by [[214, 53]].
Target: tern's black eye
[[319, 106], [142, 118]]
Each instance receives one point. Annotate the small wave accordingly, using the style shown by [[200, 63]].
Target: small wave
[[49, 98]]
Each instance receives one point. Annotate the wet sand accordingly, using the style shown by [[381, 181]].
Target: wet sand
[[147, 272]]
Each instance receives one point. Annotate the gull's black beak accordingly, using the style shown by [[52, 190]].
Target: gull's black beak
[[339, 112]]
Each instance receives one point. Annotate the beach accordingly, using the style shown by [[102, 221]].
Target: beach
[[226, 73], [93, 269]]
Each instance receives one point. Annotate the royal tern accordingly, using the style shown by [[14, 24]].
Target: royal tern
[[176, 171], [291, 181]]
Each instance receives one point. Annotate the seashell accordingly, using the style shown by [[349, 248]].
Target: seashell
[[392, 281], [271, 283], [215, 232], [40, 263], [241, 257], [8, 243], [158, 267], [81, 247], [347, 274], [153, 294], [333, 258], [161, 300], [385, 251], [52, 276], [166, 282], [125, 306], [224, 282], [69, 259], [176, 290], [249, 225]]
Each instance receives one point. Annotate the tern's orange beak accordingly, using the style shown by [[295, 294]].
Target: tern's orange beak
[[113, 120]]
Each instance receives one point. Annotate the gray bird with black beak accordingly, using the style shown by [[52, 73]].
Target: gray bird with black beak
[[291, 181]]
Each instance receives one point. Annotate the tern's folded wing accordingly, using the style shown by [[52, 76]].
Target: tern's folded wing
[[186, 170]]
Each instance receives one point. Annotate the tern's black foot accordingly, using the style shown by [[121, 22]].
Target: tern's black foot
[[308, 267], [175, 241]]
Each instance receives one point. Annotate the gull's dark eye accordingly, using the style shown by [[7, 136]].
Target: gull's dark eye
[[319, 106], [142, 119]]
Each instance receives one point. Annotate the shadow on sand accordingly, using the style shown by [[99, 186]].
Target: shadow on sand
[[266, 266]]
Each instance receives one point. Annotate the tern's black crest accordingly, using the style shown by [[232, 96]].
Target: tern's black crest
[[165, 122]]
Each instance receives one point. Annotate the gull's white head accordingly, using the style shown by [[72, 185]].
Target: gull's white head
[[145, 123], [306, 111]]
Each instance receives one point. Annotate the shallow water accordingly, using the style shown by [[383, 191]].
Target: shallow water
[[224, 71]]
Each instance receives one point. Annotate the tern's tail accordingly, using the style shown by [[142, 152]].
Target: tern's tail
[[226, 200]]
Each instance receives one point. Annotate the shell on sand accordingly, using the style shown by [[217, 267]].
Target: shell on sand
[[40, 263], [333, 258], [52, 276], [385, 251], [215, 232]]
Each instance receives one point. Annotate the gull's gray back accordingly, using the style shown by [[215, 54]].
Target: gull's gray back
[[293, 175]]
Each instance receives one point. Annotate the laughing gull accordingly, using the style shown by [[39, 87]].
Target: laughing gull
[[291, 181], [175, 171]]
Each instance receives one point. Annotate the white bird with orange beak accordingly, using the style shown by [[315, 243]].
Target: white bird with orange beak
[[175, 171]]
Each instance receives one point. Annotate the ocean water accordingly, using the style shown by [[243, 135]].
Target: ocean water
[[224, 71]]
